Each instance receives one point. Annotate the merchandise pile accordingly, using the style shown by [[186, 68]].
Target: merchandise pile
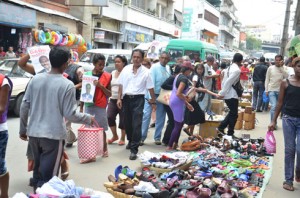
[[219, 167]]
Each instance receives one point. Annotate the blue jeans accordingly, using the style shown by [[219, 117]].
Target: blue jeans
[[159, 123], [258, 90], [273, 97], [291, 134], [3, 145]]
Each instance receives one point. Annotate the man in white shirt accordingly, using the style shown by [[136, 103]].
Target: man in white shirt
[[134, 82], [209, 74], [275, 74], [231, 77]]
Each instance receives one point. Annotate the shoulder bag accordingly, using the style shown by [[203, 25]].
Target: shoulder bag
[[237, 86]]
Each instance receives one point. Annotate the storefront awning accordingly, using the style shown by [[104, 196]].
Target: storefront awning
[[46, 10], [112, 31]]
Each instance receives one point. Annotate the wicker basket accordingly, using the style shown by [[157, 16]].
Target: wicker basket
[[184, 166], [119, 194]]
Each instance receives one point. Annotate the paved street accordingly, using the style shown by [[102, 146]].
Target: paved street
[[93, 175]]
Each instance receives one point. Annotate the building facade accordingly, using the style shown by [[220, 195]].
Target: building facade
[[124, 24]]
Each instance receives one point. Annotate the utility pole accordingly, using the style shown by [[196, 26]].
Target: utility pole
[[285, 33]]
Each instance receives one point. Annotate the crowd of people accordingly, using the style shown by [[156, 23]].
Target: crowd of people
[[131, 92], [10, 53]]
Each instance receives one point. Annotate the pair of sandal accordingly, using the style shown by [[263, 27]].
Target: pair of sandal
[[289, 185]]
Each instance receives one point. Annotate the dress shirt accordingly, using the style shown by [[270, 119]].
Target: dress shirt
[[135, 84], [274, 77]]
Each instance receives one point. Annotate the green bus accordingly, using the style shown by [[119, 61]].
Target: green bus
[[191, 48]]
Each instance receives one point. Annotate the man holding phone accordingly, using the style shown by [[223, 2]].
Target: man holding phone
[[275, 74]]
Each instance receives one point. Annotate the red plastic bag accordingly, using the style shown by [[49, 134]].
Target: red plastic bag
[[90, 143], [270, 143]]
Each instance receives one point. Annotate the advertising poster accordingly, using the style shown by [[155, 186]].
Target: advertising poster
[[39, 56], [154, 50], [88, 88]]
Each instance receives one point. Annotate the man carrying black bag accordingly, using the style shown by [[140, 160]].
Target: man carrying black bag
[[230, 95]]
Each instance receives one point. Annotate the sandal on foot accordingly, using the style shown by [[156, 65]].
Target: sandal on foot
[[288, 186], [112, 140], [105, 154], [121, 143], [187, 132]]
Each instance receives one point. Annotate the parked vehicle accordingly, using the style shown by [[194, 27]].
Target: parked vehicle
[[86, 61], [192, 48], [20, 79]]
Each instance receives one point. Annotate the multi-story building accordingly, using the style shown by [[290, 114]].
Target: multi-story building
[[227, 23], [127, 23], [18, 19], [200, 21]]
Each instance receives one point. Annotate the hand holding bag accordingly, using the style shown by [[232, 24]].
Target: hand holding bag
[[270, 143], [90, 143], [164, 96]]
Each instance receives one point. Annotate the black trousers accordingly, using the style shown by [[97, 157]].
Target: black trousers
[[47, 154], [231, 117], [170, 125], [133, 116]]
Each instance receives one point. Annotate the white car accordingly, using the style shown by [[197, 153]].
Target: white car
[[19, 78]]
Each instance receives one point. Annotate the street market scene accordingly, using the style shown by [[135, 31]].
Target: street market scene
[[149, 98]]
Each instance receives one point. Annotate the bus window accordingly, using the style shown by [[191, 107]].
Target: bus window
[[175, 53], [194, 55]]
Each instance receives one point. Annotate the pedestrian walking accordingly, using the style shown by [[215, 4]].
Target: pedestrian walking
[[134, 82], [288, 103], [244, 75], [275, 74], [231, 77], [112, 109], [102, 93], [159, 73], [259, 77], [47, 104]]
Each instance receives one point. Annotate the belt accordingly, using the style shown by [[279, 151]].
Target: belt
[[134, 96]]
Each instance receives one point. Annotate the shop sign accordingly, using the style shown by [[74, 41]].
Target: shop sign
[[17, 16], [137, 37], [99, 34], [135, 34], [187, 19], [161, 38]]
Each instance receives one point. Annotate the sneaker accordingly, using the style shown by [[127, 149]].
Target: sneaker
[[132, 156], [157, 142], [142, 143]]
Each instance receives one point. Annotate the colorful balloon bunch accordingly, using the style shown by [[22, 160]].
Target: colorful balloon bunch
[[56, 38]]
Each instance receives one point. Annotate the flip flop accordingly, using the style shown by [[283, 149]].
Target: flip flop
[[288, 186], [110, 141], [118, 170], [121, 143]]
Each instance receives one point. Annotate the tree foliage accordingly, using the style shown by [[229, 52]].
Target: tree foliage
[[253, 43]]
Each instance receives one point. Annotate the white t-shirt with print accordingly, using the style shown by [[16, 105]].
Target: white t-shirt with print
[[3, 126]]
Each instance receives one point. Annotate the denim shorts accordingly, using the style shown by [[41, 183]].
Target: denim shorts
[[3, 145]]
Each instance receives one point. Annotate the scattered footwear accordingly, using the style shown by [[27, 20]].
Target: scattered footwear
[[132, 156]]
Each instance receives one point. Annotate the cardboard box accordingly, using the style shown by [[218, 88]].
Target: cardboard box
[[240, 116], [238, 125], [248, 125], [248, 109], [244, 104], [253, 115], [248, 117], [209, 129], [217, 106]]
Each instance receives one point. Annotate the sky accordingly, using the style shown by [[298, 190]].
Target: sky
[[263, 12]]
